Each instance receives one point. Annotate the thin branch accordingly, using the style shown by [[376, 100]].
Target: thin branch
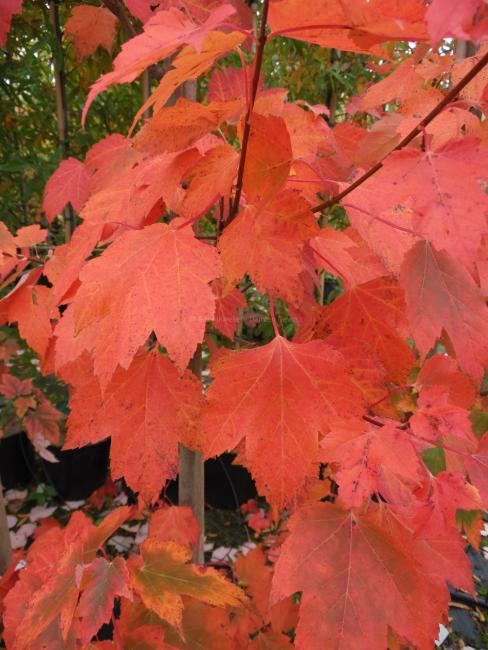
[[371, 420], [247, 128], [378, 423], [452, 94], [119, 12]]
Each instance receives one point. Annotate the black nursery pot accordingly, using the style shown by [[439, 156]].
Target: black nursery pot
[[227, 486], [79, 471], [17, 461]]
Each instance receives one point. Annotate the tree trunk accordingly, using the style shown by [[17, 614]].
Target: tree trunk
[[191, 492], [191, 481]]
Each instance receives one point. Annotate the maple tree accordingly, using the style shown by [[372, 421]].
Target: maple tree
[[355, 417]]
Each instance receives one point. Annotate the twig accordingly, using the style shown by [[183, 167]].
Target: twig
[[247, 128], [371, 420], [452, 94]]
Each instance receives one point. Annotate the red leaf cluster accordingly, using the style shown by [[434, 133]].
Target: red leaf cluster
[[211, 200]]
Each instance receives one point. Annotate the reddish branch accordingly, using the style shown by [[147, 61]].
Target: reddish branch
[[119, 12], [247, 128], [452, 94]]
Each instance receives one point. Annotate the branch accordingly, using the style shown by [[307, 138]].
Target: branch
[[377, 423], [119, 12], [452, 94], [247, 128]]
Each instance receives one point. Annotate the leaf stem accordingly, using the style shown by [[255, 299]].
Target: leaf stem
[[272, 314], [247, 128], [400, 389], [303, 28], [380, 219], [329, 263], [452, 94]]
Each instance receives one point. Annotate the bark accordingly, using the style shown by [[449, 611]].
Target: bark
[[118, 10], [191, 479], [191, 492]]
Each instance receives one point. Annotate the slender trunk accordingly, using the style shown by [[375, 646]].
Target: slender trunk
[[61, 105], [191, 470], [191, 479], [191, 482], [5, 547]]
